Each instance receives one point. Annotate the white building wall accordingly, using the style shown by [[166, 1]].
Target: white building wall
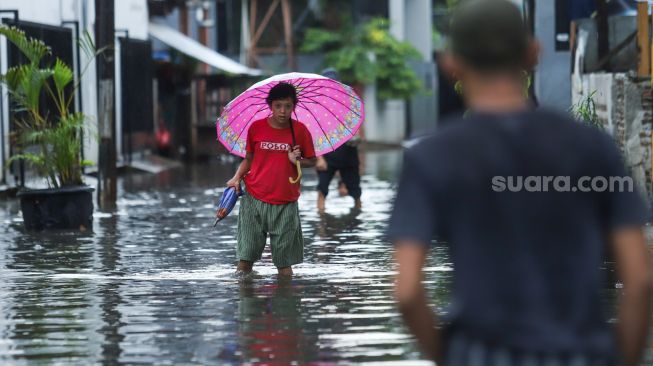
[[385, 122], [423, 109], [419, 26], [131, 15], [552, 77], [86, 16], [39, 11], [390, 116]]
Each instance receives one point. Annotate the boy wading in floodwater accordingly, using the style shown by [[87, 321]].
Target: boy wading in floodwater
[[527, 277], [270, 203]]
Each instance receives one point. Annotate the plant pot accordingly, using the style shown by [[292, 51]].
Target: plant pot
[[57, 208]]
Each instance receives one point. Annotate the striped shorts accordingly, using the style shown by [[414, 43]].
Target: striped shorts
[[462, 351], [257, 219]]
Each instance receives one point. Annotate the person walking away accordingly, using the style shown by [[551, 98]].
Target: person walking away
[[269, 207], [527, 278], [344, 161]]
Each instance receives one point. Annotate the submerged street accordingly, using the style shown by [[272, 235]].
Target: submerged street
[[128, 128], [154, 282]]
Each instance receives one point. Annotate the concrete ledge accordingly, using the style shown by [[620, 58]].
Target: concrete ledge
[[8, 192], [374, 146]]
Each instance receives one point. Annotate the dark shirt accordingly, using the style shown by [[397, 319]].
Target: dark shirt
[[581, 9], [345, 156], [526, 264]]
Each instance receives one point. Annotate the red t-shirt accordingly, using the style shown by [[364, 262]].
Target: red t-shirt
[[268, 175]]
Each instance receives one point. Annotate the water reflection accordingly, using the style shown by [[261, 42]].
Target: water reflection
[[331, 225], [270, 327], [109, 257]]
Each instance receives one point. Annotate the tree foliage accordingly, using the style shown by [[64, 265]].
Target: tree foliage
[[368, 53]]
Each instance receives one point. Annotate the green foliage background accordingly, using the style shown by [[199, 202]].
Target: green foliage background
[[368, 53]]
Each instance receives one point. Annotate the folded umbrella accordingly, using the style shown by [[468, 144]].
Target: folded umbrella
[[226, 204]]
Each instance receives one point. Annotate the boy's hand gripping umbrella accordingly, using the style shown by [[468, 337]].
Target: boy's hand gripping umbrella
[[226, 204]]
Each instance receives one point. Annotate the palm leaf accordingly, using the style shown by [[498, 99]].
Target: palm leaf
[[12, 78], [32, 48], [32, 86], [62, 75], [36, 159]]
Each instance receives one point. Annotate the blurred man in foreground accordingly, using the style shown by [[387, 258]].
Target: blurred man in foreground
[[526, 258]]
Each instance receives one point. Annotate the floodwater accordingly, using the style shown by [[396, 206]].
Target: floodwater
[[154, 284]]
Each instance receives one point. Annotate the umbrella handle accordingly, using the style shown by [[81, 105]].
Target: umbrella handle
[[299, 174]]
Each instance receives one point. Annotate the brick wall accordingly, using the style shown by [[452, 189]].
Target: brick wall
[[624, 104]]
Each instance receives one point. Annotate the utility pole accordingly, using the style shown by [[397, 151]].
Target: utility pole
[[104, 39], [643, 40]]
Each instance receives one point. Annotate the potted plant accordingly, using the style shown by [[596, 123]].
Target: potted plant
[[365, 54], [49, 140]]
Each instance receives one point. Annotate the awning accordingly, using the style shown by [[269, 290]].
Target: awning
[[196, 50]]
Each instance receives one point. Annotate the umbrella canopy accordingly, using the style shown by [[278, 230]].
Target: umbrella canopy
[[331, 111]]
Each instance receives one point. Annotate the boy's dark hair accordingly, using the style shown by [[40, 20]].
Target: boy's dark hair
[[282, 91], [490, 35]]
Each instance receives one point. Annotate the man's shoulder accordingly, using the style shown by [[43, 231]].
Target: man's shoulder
[[431, 144], [427, 152], [584, 135]]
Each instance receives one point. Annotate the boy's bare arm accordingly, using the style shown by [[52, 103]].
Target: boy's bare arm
[[243, 169], [411, 298], [634, 269]]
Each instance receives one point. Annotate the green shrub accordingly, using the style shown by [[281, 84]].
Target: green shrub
[[368, 53], [585, 111], [54, 140]]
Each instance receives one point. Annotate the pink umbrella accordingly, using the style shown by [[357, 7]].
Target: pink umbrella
[[332, 111]]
